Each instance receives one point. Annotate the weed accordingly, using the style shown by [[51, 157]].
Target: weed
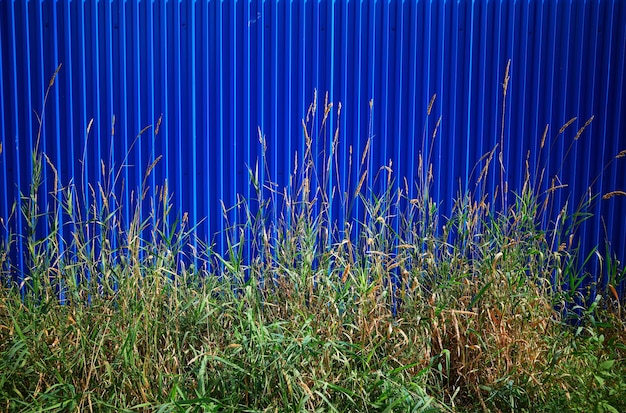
[[385, 307]]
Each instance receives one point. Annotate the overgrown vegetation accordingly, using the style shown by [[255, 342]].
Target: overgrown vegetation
[[396, 311]]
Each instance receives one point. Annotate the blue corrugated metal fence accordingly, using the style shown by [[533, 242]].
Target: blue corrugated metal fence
[[215, 71]]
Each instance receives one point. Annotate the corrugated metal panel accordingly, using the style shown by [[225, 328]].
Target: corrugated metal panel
[[215, 71]]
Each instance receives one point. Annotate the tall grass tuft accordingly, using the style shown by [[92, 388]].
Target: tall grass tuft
[[394, 309]]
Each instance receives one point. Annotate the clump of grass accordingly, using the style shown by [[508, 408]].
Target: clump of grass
[[393, 310]]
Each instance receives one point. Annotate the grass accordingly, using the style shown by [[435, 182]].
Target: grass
[[396, 311]]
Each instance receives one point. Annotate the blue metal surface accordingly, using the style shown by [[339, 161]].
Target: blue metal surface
[[215, 71]]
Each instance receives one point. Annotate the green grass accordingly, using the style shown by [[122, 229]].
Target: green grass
[[308, 323]]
